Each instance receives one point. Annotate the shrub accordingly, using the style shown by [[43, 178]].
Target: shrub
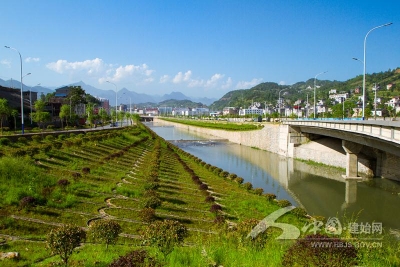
[[36, 138], [31, 150], [217, 171], [50, 138], [165, 235], [239, 180], [151, 186], [147, 215], [151, 202], [215, 208], [210, 199], [283, 203], [105, 231], [203, 187], [224, 174], [151, 193], [45, 148], [242, 231], [61, 137], [63, 183], [27, 202], [57, 145], [248, 186], [258, 191], [22, 140], [4, 141], [232, 176], [305, 253], [63, 240], [219, 219], [77, 142], [136, 258], [85, 170], [299, 212], [76, 175], [50, 126], [270, 196]]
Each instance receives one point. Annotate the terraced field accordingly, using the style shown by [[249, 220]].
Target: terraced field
[[116, 174]]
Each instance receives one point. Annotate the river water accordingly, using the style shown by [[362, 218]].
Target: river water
[[320, 190]]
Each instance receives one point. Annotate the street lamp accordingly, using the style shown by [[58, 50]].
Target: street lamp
[[22, 96], [315, 86], [116, 102], [365, 64], [279, 100]]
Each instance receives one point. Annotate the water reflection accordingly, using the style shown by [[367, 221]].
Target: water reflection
[[320, 190]]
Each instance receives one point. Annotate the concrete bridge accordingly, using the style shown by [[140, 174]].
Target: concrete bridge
[[377, 141]]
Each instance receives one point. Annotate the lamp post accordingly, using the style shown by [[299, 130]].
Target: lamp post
[[279, 100], [116, 102], [315, 86], [375, 88], [22, 96], [365, 64]]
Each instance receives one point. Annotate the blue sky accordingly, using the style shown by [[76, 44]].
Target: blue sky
[[200, 48]]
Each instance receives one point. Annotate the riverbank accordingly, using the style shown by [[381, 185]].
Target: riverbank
[[273, 137]]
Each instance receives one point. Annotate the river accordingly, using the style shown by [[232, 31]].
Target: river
[[320, 190]]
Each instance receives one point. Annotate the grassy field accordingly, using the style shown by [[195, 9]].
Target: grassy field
[[77, 179], [220, 125]]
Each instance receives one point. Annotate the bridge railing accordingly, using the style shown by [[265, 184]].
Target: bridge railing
[[389, 131]]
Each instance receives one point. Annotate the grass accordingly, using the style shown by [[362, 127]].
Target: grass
[[228, 126], [121, 164]]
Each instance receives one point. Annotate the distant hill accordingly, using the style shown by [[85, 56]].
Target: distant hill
[[268, 92]]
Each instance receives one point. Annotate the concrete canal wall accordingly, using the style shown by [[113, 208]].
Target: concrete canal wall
[[276, 138]]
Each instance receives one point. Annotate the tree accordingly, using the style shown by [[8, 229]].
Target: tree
[[90, 113], [63, 240], [15, 113], [65, 112], [40, 116], [4, 111], [105, 231], [165, 235], [103, 115]]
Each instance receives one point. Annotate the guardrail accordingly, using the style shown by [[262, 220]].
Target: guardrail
[[385, 130]]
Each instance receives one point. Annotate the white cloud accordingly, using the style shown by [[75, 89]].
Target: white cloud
[[180, 77], [164, 79], [227, 84], [213, 81], [91, 66], [6, 63], [32, 59], [282, 83], [248, 84], [123, 72]]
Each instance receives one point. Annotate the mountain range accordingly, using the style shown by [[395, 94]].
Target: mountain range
[[124, 96]]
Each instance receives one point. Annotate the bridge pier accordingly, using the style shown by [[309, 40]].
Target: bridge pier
[[352, 150]]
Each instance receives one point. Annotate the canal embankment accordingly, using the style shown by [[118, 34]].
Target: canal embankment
[[274, 137]]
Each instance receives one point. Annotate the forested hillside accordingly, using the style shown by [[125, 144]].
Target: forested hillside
[[268, 92]]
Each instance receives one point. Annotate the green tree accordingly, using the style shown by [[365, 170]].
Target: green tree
[[165, 235], [90, 113], [63, 240], [105, 231], [40, 116], [103, 115], [65, 112], [4, 111], [15, 113]]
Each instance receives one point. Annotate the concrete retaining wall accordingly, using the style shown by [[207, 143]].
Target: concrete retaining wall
[[275, 138]]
